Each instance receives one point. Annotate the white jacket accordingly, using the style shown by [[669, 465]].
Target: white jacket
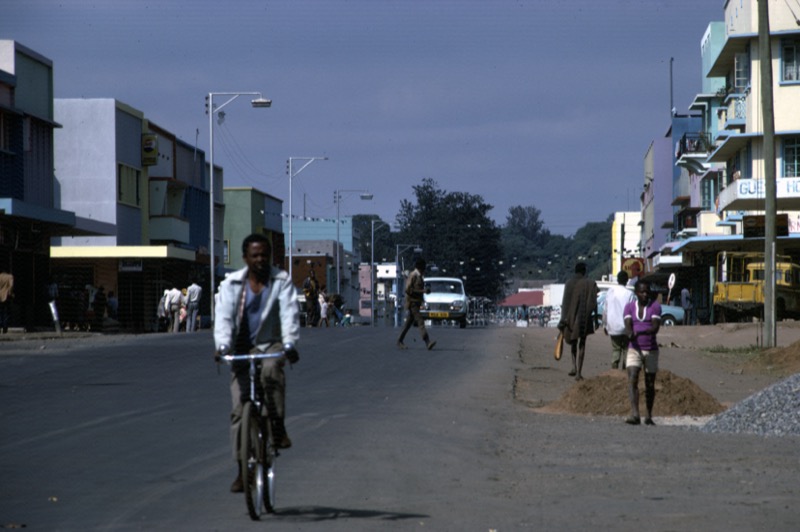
[[280, 320]]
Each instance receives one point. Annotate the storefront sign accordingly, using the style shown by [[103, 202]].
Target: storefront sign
[[130, 265]]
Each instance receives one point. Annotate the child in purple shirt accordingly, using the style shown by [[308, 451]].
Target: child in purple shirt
[[642, 321]]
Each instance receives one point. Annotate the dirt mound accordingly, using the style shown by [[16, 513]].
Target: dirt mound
[[784, 360], [607, 395]]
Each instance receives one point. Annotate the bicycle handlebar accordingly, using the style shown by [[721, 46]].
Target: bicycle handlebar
[[251, 356]]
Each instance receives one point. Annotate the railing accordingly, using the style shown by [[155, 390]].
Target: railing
[[694, 143], [734, 113]]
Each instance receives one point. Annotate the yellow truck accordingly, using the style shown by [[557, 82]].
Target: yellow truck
[[739, 288]]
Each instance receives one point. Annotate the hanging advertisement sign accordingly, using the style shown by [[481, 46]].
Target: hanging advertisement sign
[[149, 149]]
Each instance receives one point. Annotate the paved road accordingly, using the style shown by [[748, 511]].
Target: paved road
[[129, 433]]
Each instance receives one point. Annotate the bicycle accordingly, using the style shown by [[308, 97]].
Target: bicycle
[[257, 450]]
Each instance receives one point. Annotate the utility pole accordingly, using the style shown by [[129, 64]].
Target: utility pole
[[770, 186]]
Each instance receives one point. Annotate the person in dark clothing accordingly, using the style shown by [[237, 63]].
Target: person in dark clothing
[[415, 294], [99, 305], [311, 289], [578, 316]]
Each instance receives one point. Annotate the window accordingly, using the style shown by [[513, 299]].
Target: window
[[741, 79], [707, 194], [128, 180], [790, 62], [791, 157]]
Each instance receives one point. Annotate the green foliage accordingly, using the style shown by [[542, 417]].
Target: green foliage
[[456, 235], [459, 239], [384, 238], [534, 253]]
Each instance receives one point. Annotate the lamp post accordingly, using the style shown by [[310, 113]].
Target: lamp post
[[372, 270], [292, 173], [398, 277], [337, 199], [258, 102]]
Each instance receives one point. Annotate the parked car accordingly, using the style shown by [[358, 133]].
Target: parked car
[[670, 314], [447, 300]]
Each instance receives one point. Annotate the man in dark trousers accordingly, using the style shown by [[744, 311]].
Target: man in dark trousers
[[415, 294], [578, 315], [311, 291]]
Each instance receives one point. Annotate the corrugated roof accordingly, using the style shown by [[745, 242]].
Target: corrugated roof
[[532, 298]]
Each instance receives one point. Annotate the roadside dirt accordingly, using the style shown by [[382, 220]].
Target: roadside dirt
[[703, 370]]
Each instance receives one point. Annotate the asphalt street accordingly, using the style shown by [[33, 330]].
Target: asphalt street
[[130, 433]]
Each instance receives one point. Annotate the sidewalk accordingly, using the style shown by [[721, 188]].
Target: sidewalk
[[18, 333]]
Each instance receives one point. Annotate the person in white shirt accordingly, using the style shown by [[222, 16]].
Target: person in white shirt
[[173, 308], [614, 319], [193, 294]]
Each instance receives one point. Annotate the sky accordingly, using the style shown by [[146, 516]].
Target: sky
[[543, 103]]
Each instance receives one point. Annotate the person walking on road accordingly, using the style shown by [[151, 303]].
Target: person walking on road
[[614, 319], [415, 295], [257, 312], [642, 321], [311, 291], [578, 315]]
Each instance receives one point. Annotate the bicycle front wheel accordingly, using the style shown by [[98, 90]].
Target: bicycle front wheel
[[270, 453], [251, 459]]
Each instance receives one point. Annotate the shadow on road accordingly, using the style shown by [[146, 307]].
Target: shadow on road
[[323, 513]]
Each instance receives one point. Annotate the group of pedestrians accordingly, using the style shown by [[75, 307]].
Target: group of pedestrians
[[83, 309], [630, 319], [178, 309], [322, 308]]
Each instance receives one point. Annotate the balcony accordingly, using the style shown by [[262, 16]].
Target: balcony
[[169, 229], [734, 114], [693, 150]]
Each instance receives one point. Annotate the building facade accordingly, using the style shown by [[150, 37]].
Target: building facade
[[113, 165], [249, 210], [723, 157], [30, 211]]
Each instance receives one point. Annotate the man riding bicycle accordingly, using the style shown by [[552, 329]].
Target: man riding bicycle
[[257, 310]]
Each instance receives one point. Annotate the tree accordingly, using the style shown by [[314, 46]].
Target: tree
[[384, 238], [524, 235], [456, 234]]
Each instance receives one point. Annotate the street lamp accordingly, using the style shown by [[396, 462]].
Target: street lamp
[[337, 199], [258, 102], [398, 278], [372, 270], [292, 173]]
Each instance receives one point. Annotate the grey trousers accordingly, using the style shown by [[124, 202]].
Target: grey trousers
[[273, 382], [175, 317]]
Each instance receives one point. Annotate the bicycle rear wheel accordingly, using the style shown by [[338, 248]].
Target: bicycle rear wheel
[[251, 459]]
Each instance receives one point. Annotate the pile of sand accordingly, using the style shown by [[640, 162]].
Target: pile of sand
[[782, 360], [607, 395]]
